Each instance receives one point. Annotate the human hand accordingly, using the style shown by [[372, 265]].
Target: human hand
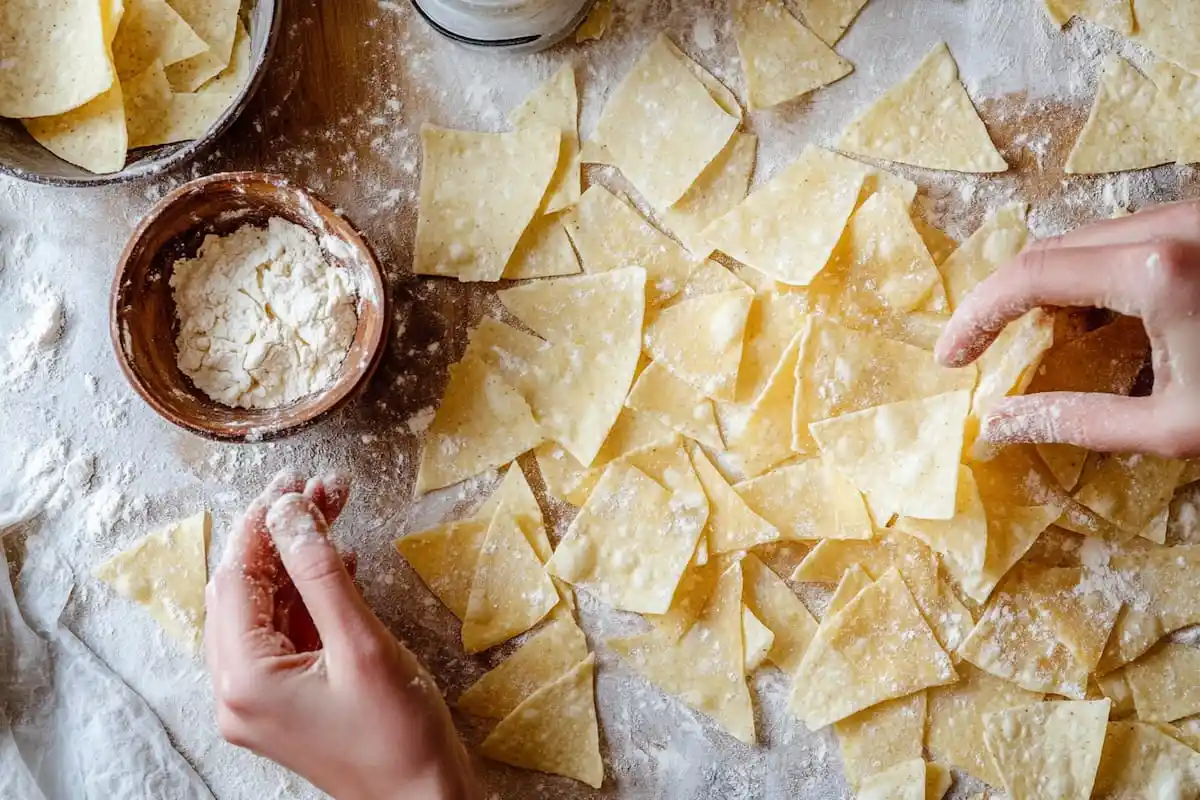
[[1146, 265], [351, 709]]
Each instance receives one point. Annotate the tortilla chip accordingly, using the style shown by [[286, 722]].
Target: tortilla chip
[[1048, 749], [882, 737], [700, 341], [556, 104], [544, 251], [723, 184]]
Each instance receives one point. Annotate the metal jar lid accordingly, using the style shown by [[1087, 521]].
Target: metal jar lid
[[518, 26]]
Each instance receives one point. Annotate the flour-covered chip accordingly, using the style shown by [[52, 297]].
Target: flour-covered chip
[[1115, 14], [479, 192], [732, 525], [628, 545], [692, 595], [1169, 29], [556, 103], [544, 251], [961, 540], [777, 606], [40, 79], [843, 370], [1139, 760], [1182, 88], [166, 572], [782, 59], [956, 713], [214, 21], [444, 557], [152, 31], [763, 235], [555, 729], [723, 184], [662, 127], [1048, 751], [903, 456], [997, 241], [546, 656], [700, 340], [677, 404], [1010, 364], [853, 581], [764, 438], [881, 737], [1131, 125], [516, 495], [1011, 531], [705, 668], [926, 120], [1165, 683], [877, 648], [610, 234], [1165, 600], [758, 640], [808, 500], [774, 320], [1129, 490]]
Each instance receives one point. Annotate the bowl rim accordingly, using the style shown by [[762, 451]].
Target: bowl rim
[[377, 347], [189, 151]]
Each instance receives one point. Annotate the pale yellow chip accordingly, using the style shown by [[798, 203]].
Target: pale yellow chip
[[554, 729], [758, 640], [92, 136], [829, 19], [1138, 760], [152, 31], [544, 251], [691, 596], [763, 235], [956, 715], [781, 611], [732, 525], [705, 668], [709, 277], [877, 648], [663, 160], [1115, 14], [481, 424], [546, 656], [1130, 490], [517, 496], [1156, 529], [214, 21], [939, 243], [782, 59], [147, 97], [903, 456], [853, 581], [166, 572], [1048, 750], [676, 404], [1011, 531], [926, 120], [444, 557], [556, 104], [597, 23], [627, 545], [961, 540], [1169, 29], [1132, 124], [904, 781], [700, 341], [806, 501], [479, 192], [1183, 89], [843, 370], [774, 321], [1007, 367], [40, 79], [610, 234], [1165, 683], [997, 241], [1165, 600], [723, 184], [881, 737], [720, 93], [764, 438]]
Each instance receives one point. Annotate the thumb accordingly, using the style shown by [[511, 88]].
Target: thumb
[[1107, 423], [318, 571]]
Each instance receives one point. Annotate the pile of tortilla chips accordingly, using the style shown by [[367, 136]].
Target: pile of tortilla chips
[[723, 433], [93, 79]]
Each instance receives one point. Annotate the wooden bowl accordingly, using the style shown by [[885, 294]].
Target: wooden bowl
[[143, 324], [24, 158]]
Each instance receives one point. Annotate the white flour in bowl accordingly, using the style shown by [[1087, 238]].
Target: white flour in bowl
[[264, 318]]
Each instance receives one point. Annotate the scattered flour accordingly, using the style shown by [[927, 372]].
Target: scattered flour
[[33, 346]]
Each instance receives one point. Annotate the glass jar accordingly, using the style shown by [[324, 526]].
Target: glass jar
[[519, 26]]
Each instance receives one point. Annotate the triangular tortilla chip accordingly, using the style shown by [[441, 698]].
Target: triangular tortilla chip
[[152, 31], [903, 457], [1129, 490], [544, 251], [581, 308], [1183, 89], [1165, 600], [459, 167], [774, 321], [765, 437], [1011, 531], [926, 120], [732, 525], [758, 640], [1115, 14], [554, 730], [904, 781], [956, 715], [807, 501], [782, 59], [1007, 367], [676, 404], [214, 21], [482, 423], [843, 370], [723, 184], [829, 19], [510, 592], [546, 656], [777, 607], [1048, 750], [963, 539], [663, 161], [1131, 125], [444, 557], [166, 572], [764, 236], [516, 495], [706, 667], [691, 596], [628, 545], [882, 737], [700, 341], [556, 104], [875, 649], [1138, 760], [1164, 685], [997, 241], [853, 581]]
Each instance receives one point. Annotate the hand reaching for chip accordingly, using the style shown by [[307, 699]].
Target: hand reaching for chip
[[306, 675], [1146, 265]]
